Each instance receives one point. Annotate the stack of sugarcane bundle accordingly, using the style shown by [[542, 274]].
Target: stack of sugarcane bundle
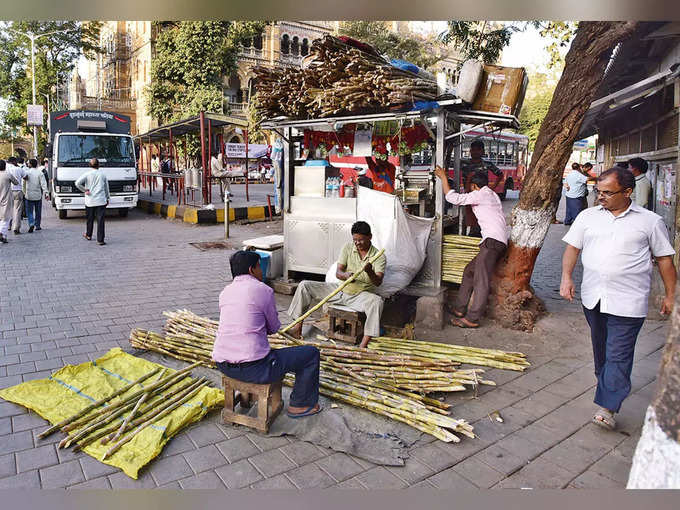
[[457, 251], [460, 353], [190, 349], [337, 78], [144, 406], [407, 372]]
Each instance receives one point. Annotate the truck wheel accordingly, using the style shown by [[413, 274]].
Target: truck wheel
[[62, 214], [123, 213]]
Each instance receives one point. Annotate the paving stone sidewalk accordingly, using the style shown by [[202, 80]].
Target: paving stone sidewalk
[[65, 300]]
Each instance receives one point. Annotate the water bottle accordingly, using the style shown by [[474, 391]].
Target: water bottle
[[328, 188]]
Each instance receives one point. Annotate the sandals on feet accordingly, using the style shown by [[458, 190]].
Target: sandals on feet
[[604, 418], [464, 323], [455, 312], [311, 410]]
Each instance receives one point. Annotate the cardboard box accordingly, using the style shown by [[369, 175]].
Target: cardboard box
[[502, 90]]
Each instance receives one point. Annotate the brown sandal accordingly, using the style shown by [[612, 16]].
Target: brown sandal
[[464, 323], [455, 312]]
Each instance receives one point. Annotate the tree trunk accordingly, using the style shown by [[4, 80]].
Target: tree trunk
[[656, 464], [513, 301]]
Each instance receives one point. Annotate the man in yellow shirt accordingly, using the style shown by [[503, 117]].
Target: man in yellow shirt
[[359, 295]]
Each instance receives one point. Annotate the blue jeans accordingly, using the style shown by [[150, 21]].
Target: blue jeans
[[613, 340], [574, 207], [34, 212], [303, 361]]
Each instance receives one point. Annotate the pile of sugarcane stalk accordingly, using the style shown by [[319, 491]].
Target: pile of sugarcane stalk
[[337, 78], [144, 405], [457, 251], [460, 353]]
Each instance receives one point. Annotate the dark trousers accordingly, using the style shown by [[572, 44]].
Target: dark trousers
[[303, 361], [98, 212], [34, 212], [613, 340], [477, 276], [574, 207]]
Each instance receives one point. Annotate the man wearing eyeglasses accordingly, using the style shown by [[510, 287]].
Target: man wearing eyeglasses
[[618, 239]]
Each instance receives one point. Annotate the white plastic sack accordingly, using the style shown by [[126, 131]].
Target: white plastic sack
[[403, 236], [470, 78]]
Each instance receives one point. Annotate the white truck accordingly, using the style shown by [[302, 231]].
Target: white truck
[[77, 136]]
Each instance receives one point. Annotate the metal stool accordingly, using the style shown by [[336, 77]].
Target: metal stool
[[345, 324], [269, 403]]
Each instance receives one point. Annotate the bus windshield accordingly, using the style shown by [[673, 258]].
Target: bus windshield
[[77, 150]]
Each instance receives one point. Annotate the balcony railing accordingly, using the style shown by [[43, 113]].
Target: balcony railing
[[237, 109], [109, 104], [250, 52]]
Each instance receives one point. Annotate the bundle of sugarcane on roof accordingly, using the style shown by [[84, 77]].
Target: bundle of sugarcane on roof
[[106, 419], [337, 78], [457, 252]]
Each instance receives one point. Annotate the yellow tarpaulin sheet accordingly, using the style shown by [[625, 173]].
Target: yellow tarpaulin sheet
[[76, 386]]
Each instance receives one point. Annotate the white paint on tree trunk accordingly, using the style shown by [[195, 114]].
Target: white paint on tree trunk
[[656, 463], [529, 227]]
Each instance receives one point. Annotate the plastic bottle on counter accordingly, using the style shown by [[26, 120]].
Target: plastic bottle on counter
[[328, 187], [342, 189]]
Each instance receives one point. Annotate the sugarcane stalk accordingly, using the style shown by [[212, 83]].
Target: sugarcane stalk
[[154, 417], [339, 289], [96, 404]]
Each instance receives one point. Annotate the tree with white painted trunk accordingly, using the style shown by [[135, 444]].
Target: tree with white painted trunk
[[513, 301], [656, 464]]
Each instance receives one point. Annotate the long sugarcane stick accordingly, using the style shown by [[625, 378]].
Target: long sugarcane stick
[[163, 383], [96, 404], [154, 417], [134, 410], [340, 287]]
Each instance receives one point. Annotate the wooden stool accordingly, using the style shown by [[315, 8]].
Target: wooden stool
[[345, 324], [269, 403]]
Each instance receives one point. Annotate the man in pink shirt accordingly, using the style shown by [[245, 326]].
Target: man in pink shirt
[[241, 351], [477, 274]]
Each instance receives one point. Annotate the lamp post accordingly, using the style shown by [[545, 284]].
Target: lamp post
[[33, 37]]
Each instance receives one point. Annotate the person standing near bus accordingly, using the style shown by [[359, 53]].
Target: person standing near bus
[[471, 167]]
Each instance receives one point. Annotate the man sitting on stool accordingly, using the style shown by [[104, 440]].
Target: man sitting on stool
[[359, 295], [242, 352]]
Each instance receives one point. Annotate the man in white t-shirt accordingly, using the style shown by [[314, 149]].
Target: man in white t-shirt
[[643, 188], [618, 240]]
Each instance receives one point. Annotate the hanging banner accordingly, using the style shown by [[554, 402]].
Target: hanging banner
[[34, 115], [238, 150], [362, 143]]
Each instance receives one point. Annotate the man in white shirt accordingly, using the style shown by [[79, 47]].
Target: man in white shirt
[[36, 186], [96, 188], [576, 191], [643, 187], [19, 173], [618, 239], [217, 170]]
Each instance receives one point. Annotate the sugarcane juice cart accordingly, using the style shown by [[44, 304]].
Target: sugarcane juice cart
[[316, 226]]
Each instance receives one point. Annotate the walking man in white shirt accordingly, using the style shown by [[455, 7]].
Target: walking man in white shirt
[[577, 190], [618, 239], [96, 188], [488, 211], [36, 187], [19, 173]]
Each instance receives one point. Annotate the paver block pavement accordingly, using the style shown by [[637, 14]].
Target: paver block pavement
[[309, 477], [95, 483], [5, 426], [237, 448], [380, 478], [352, 483], [538, 474], [7, 465], [302, 452], [412, 471], [27, 480], [92, 468], [207, 457], [272, 463], [16, 442], [592, 480], [205, 480], [28, 421], [21, 368], [205, 433], [238, 475], [450, 479], [479, 473], [122, 481], [169, 469], [36, 458], [265, 443], [614, 466], [61, 475], [500, 459], [11, 409], [340, 466], [573, 457]]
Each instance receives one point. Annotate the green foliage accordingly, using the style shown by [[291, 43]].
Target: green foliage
[[55, 57], [479, 40], [537, 101], [560, 33], [421, 51], [191, 59]]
